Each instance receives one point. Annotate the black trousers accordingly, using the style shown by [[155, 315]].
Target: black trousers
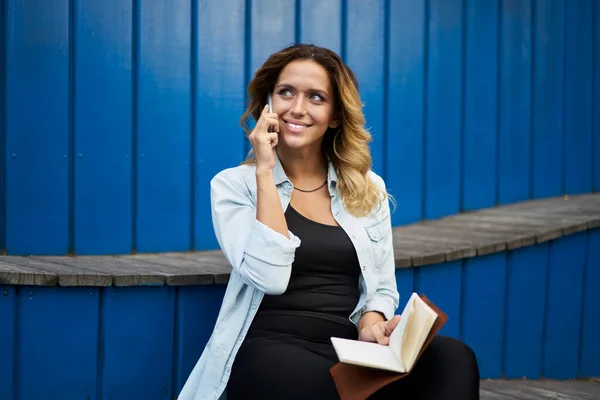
[[288, 358]]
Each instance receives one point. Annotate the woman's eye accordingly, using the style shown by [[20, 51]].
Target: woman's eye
[[285, 92], [316, 97]]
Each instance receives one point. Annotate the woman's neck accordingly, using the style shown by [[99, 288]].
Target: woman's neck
[[303, 167]]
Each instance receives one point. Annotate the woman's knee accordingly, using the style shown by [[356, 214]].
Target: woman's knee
[[455, 354]]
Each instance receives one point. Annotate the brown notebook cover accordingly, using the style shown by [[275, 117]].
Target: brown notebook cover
[[354, 382]]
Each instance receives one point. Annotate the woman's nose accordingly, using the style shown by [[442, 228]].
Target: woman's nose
[[299, 106]]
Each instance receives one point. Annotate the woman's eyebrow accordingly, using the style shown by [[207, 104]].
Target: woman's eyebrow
[[288, 86]]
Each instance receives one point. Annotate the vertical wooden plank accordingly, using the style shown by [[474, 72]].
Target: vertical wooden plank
[[405, 278], [578, 97], [481, 104], [273, 28], [441, 283], [526, 284], [369, 15], [219, 103], [548, 73], [589, 353], [197, 311], [3, 18], [482, 318], [405, 108], [219, 96], [37, 127], [8, 334], [57, 345], [514, 141], [321, 23], [596, 95], [103, 221], [444, 107], [563, 307], [138, 327], [163, 121]]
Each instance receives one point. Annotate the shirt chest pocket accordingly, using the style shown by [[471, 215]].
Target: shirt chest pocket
[[379, 241]]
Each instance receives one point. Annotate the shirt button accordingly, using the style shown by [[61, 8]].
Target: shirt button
[[364, 268]]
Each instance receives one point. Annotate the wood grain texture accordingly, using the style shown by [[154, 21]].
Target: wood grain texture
[[455, 237]]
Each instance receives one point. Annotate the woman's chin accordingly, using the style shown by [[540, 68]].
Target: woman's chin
[[294, 142]]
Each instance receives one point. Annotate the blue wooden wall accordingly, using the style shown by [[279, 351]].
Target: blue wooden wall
[[116, 114], [532, 313]]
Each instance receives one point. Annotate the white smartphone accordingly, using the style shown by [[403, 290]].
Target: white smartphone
[[270, 102]]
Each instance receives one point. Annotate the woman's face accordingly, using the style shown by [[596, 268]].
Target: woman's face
[[303, 99]]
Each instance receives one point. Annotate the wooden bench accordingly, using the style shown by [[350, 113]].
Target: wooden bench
[[506, 276], [452, 238]]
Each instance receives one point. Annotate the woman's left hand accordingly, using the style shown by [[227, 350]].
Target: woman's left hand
[[379, 332]]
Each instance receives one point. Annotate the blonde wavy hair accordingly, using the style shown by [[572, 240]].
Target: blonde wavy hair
[[347, 146]]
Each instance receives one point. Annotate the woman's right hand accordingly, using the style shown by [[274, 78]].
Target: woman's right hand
[[263, 141]]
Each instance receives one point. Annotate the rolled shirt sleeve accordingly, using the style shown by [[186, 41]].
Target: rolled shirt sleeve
[[261, 256]]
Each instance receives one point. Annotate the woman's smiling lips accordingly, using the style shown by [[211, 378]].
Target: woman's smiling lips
[[296, 126]]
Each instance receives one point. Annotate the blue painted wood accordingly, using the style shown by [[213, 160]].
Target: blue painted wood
[[483, 310], [405, 281], [432, 116], [596, 95], [37, 143], [514, 141], [525, 311], [57, 342], [442, 284], [273, 27], [138, 334], [589, 352], [3, 18], [548, 73], [321, 23], [563, 307], [197, 310], [219, 102], [102, 118], [8, 335], [405, 104], [163, 127], [480, 106], [578, 150], [444, 94], [369, 39]]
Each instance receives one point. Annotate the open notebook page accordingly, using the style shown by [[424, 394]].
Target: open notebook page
[[366, 354]]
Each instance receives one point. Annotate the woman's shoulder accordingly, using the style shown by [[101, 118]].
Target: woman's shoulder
[[377, 180], [235, 177]]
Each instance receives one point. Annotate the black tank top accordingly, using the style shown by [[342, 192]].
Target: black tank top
[[325, 272]]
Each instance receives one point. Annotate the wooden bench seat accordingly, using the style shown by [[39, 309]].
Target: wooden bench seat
[[452, 238]]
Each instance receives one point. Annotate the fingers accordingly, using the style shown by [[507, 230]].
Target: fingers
[[267, 120], [379, 335], [391, 325], [273, 139]]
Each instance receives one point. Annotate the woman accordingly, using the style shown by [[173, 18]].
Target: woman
[[306, 226]]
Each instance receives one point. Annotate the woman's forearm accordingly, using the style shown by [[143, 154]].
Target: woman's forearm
[[268, 210]]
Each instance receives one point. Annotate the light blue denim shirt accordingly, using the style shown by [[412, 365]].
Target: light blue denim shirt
[[262, 263]]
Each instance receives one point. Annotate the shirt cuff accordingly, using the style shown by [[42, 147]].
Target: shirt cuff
[[270, 246], [379, 304]]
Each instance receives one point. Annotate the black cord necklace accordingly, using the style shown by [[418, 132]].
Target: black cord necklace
[[310, 191]]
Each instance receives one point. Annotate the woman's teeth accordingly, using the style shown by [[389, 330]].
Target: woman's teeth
[[296, 126]]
